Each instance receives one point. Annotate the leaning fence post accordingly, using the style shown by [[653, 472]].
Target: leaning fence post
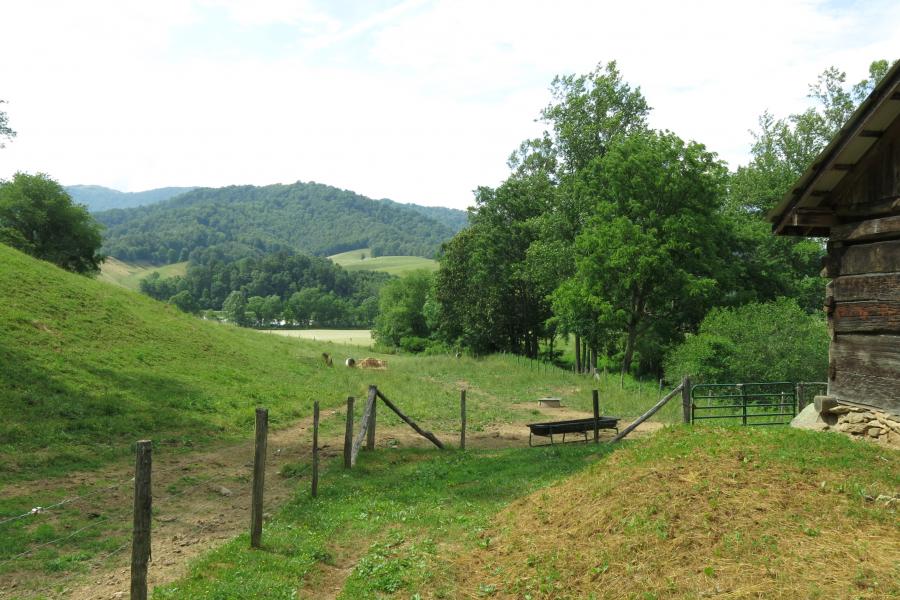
[[596, 398], [315, 450], [462, 416], [348, 434], [140, 537], [687, 411], [259, 477]]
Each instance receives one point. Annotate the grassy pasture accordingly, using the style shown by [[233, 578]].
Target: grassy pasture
[[361, 260], [129, 275], [352, 337]]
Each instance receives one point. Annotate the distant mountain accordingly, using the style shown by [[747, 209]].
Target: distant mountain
[[240, 221], [97, 197], [453, 218]]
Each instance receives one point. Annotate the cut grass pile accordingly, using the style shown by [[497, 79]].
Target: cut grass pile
[[704, 512], [130, 275], [362, 260]]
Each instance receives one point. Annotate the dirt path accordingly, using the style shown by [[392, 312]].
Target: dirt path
[[202, 499]]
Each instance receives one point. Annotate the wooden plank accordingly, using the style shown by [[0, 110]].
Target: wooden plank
[[595, 401], [348, 433], [883, 206], [871, 317], [854, 288], [879, 257], [881, 393], [875, 355], [648, 414], [872, 229], [425, 434], [259, 477], [363, 424], [315, 451], [370, 428], [140, 535]]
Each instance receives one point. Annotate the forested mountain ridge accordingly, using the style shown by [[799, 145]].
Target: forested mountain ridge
[[98, 198], [453, 218], [306, 217]]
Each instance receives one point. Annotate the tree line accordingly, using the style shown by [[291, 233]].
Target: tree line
[[283, 287], [625, 237]]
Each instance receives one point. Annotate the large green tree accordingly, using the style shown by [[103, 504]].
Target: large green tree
[[38, 217], [648, 260]]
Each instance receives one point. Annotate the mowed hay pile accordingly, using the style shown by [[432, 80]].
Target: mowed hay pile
[[703, 512]]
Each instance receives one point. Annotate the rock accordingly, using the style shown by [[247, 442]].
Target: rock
[[858, 417], [223, 491], [857, 428], [809, 418], [874, 432]]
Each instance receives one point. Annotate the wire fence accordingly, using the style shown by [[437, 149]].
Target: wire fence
[[58, 547]]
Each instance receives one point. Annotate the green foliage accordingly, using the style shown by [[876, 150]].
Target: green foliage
[[775, 341], [252, 221], [401, 319], [653, 246], [5, 130], [37, 216], [97, 197]]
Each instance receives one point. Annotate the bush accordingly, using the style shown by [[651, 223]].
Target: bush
[[774, 341]]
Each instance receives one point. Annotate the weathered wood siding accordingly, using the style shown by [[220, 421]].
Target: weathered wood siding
[[863, 300]]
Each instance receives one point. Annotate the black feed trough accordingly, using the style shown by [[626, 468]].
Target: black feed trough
[[582, 426]]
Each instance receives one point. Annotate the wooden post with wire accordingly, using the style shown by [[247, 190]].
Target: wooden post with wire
[[596, 402], [686, 409], [259, 477], [315, 450], [348, 434], [462, 416], [143, 504], [370, 430]]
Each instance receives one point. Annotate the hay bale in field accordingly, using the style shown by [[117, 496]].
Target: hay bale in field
[[372, 363], [350, 362]]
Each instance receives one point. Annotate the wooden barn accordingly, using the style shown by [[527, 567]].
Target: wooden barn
[[851, 195]]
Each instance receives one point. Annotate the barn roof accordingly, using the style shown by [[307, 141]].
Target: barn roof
[[805, 210]]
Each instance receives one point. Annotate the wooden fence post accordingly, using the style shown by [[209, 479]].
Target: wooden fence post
[[596, 398], [687, 413], [799, 391], [370, 431], [259, 477], [140, 537], [348, 434], [315, 450], [462, 415]]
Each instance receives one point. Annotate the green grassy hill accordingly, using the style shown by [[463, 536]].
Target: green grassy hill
[[130, 275], [86, 368], [361, 260]]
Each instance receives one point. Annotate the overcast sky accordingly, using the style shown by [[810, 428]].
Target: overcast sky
[[417, 100]]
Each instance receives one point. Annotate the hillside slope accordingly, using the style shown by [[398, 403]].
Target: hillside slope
[[86, 368], [98, 198], [306, 217]]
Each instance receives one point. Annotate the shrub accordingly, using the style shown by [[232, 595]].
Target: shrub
[[774, 341]]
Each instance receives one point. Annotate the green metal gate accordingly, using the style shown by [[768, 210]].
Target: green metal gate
[[771, 403]]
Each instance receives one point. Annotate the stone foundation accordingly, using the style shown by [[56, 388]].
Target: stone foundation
[[859, 422]]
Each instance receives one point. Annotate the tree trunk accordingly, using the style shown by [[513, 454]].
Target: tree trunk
[[629, 347], [578, 354]]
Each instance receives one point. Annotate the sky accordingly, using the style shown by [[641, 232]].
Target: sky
[[415, 100]]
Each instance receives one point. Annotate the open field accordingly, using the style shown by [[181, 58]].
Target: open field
[[353, 337], [130, 275], [361, 260]]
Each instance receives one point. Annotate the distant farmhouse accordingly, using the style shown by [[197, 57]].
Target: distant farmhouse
[[851, 195]]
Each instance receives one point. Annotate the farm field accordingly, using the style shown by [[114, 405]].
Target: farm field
[[361, 260], [129, 275], [353, 337]]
